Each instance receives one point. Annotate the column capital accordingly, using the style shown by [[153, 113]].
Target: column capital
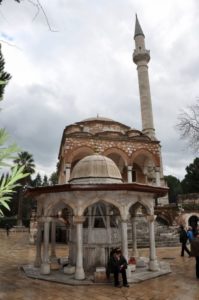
[[45, 219], [67, 165], [78, 219], [151, 218], [124, 220]]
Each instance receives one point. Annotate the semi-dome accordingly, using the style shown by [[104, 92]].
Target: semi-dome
[[95, 169]]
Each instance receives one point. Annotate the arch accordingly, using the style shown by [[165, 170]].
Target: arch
[[96, 200], [133, 208], [79, 153], [186, 216], [166, 216], [193, 221], [147, 154], [161, 219], [120, 159], [144, 163], [59, 206], [120, 153], [100, 213], [55, 204]]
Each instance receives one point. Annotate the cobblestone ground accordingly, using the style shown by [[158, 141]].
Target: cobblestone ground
[[181, 284]]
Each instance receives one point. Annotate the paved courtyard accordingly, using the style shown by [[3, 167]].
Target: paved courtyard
[[14, 285]]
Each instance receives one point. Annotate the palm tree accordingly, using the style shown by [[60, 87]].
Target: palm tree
[[24, 159]]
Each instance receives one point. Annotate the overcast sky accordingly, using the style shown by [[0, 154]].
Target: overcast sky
[[85, 68]]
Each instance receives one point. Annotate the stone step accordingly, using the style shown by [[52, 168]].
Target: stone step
[[165, 236]]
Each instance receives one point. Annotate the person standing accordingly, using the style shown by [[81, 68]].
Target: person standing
[[118, 264], [7, 227], [190, 234], [195, 252], [183, 241]]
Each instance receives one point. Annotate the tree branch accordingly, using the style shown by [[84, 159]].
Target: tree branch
[[188, 125], [39, 8], [45, 16]]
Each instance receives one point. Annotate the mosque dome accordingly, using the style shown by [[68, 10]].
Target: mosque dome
[[98, 119], [95, 169]]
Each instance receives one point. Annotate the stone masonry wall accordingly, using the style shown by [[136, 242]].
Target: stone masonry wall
[[102, 145]]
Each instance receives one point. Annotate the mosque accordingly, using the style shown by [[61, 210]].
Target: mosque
[[108, 174]]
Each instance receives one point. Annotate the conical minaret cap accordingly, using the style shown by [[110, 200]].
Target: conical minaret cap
[[138, 29]]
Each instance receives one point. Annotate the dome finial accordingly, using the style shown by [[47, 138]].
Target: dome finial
[[138, 29]]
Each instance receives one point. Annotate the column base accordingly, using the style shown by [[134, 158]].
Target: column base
[[154, 265], [130, 269], [79, 273], [37, 262], [45, 269]]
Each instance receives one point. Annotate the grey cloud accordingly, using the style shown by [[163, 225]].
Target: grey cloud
[[34, 124], [86, 68]]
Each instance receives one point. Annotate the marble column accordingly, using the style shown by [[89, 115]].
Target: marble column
[[130, 178], [79, 270], [153, 263], [90, 222], [124, 238], [134, 237], [45, 266], [67, 172], [157, 175], [38, 259], [108, 228], [53, 239]]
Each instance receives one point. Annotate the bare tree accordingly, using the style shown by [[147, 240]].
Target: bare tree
[[188, 125], [39, 8], [14, 0]]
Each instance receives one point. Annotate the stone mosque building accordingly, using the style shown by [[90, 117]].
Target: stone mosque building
[[136, 153], [108, 174]]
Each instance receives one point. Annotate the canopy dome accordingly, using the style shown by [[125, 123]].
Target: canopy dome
[[95, 169]]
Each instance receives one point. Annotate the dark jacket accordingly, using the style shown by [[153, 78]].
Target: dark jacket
[[115, 264], [183, 236], [195, 247]]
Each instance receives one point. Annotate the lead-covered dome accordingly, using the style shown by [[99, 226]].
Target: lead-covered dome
[[95, 169]]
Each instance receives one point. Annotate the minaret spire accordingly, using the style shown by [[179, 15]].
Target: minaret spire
[[138, 28], [141, 57]]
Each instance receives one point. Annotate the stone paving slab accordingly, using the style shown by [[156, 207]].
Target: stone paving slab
[[140, 275], [180, 284]]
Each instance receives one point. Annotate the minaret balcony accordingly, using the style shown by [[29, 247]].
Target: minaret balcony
[[141, 55]]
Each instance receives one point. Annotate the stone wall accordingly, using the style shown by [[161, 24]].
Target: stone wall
[[102, 145], [190, 199]]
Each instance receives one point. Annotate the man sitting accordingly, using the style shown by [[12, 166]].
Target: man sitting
[[118, 264]]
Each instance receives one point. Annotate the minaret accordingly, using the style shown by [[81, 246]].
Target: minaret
[[141, 57]]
